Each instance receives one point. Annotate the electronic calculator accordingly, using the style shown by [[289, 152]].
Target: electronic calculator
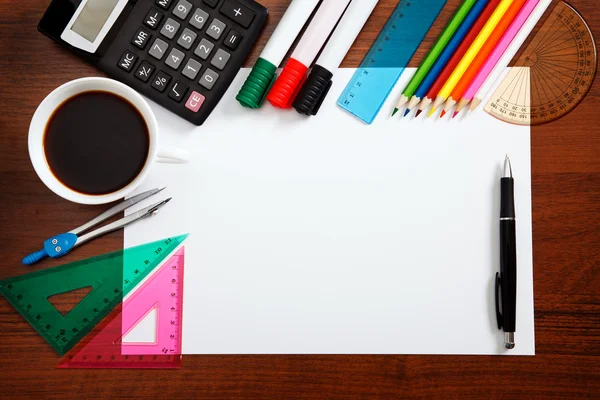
[[182, 54]]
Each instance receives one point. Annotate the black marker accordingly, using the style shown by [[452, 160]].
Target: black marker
[[506, 279], [317, 85]]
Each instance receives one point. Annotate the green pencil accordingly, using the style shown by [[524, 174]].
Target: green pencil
[[434, 53]]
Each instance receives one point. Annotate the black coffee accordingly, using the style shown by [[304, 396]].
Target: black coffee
[[96, 143]]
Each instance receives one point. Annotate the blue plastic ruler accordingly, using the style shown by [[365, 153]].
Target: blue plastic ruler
[[387, 58]]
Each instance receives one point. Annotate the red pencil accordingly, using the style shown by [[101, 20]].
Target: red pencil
[[466, 80], [458, 55]]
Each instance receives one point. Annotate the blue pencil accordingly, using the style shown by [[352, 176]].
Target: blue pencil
[[446, 54]]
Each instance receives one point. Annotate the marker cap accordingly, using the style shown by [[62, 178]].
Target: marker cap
[[286, 87], [314, 91], [257, 85]]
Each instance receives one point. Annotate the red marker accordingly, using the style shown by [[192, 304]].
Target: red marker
[[288, 83]]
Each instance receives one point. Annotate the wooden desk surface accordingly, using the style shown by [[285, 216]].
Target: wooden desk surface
[[566, 244]]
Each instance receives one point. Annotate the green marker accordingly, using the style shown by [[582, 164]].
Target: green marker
[[434, 53], [261, 78]]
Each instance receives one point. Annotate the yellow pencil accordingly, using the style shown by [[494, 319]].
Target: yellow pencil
[[464, 63]]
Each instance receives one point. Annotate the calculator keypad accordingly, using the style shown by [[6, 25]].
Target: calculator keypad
[[209, 78], [199, 19], [158, 49], [212, 3], [187, 38], [164, 3], [144, 71], [220, 59], [182, 9], [191, 69], [170, 28], [161, 81], [194, 102], [127, 61], [186, 52], [232, 40], [141, 38], [153, 18], [178, 90], [216, 28], [204, 48], [175, 59], [237, 12]]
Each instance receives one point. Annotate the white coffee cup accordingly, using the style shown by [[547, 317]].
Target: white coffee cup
[[45, 111]]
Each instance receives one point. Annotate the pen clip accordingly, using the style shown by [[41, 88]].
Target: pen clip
[[498, 293]]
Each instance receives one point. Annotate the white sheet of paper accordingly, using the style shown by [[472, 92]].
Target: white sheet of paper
[[327, 235]]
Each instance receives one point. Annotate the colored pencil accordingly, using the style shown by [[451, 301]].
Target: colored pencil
[[457, 56], [484, 83], [434, 53], [462, 66], [449, 50], [484, 53], [492, 60]]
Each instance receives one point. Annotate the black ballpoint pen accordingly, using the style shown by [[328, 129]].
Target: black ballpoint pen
[[506, 279]]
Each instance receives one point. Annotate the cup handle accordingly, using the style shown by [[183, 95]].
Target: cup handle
[[173, 155]]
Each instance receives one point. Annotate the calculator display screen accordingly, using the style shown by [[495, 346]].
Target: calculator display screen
[[92, 18]]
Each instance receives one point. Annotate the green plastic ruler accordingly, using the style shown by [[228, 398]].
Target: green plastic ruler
[[111, 277]]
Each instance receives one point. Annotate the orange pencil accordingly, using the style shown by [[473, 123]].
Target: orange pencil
[[457, 56], [479, 60]]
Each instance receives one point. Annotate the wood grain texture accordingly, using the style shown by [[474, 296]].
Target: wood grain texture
[[566, 235]]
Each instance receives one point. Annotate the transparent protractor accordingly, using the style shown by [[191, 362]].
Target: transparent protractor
[[560, 66]]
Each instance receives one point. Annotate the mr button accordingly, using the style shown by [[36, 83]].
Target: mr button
[[195, 101]]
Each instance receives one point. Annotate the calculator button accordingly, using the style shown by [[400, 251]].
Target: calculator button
[[220, 59], [153, 18], [187, 38], [141, 38], [204, 49], [233, 39], [164, 3], [144, 71], [178, 91], [175, 59], [216, 28], [170, 28], [191, 69], [161, 81], [237, 12], [199, 19], [212, 3], [194, 102], [209, 78], [182, 9], [158, 49], [127, 60]]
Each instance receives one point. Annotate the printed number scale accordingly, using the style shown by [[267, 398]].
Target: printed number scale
[[557, 71], [183, 54], [105, 346], [111, 276], [387, 58]]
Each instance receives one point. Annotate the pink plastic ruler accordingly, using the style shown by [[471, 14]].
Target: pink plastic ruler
[[162, 292], [104, 348]]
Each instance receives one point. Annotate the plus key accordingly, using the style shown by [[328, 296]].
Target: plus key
[[238, 13]]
